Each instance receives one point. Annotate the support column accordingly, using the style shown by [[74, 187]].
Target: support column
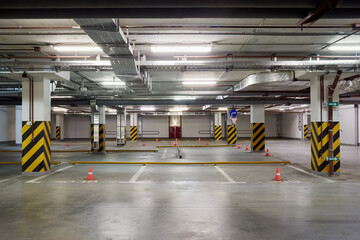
[[36, 153], [257, 127], [121, 126], [18, 125], [320, 125], [133, 127], [218, 127], [97, 128], [231, 130], [59, 120]]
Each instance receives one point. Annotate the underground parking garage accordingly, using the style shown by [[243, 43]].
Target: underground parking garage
[[179, 119]]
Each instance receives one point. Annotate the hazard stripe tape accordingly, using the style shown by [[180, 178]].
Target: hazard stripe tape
[[257, 136], [218, 133], [58, 132], [231, 134], [133, 133], [36, 147], [101, 139], [306, 131], [320, 146]]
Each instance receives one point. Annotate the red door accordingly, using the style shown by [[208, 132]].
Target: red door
[[172, 132], [175, 132]]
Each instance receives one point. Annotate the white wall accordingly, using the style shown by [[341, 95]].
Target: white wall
[[290, 125], [243, 126], [358, 115], [348, 124], [7, 119], [77, 126], [155, 126], [195, 126], [270, 125]]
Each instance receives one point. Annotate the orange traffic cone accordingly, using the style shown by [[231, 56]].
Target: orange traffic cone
[[199, 140], [247, 147], [175, 142], [67, 144], [239, 146], [207, 142], [144, 144], [90, 175], [277, 175], [157, 140], [267, 153]]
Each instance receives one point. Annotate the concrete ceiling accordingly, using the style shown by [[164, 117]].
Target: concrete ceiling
[[227, 36]]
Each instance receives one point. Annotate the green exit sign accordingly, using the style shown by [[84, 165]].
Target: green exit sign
[[333, 104], [332, 159]]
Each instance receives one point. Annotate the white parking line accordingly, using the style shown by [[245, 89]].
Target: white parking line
[[137, 174], [36, 180], [164, 153], [225, 174], [313, 175], [4, 180]]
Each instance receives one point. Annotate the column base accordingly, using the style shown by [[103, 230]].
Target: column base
[[325, 173], [35, 173]]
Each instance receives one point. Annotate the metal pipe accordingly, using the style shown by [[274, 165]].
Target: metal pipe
[[331, 90], [270, 56], [51, 57]]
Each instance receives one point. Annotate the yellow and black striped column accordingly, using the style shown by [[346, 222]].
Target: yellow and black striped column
[[101, 138], [306, 131], [218, 132], [133, 133], [231, 134], [257, 136], [320, 146], [36, 153], [58, 132]]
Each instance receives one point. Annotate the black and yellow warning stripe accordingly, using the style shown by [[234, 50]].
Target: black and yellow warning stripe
[[231, 134], [257, 136], [306, 131], [101, 138], [320, 146], [218, 132], [133, 133], [58, 132], [36, 152]]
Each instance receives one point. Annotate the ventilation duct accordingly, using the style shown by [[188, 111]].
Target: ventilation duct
[[270, 81], [107, 34]]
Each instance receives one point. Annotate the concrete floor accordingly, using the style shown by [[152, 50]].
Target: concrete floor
[[182, 202]]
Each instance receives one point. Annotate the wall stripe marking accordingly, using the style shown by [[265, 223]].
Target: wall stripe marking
[[232, 134]]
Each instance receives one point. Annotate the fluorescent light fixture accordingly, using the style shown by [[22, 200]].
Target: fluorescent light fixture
[[147, 108], [178, 109], [59, 109], [116, 83], [199, 83], [304, 105], [77, 48], [344, 48], [206, 107], [184, 98], [222, 108], [188, 49], [111, 110]]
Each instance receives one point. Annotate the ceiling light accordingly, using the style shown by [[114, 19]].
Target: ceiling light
[[77, 48], [199, 83], [206, 107], [192, 49], [147, 108], [59, 109], [222, 108], [344, 48], [184, 98], [117, 83], [178, 109]]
